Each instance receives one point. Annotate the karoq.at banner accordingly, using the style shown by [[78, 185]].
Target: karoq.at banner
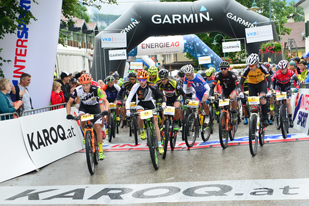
[[232, 46], [258, 34], [204, 60], [33, 49], [117, 54], [114, 40], [301, 110], [161, 45]]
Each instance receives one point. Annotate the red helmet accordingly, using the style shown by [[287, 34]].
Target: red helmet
[[85, 79]]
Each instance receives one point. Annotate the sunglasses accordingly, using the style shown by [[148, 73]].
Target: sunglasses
[[223, 68], [251, 65], [132, 79], [142, 80]]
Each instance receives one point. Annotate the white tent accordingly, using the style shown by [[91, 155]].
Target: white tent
[[73, 59]]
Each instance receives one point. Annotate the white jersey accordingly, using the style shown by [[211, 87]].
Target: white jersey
[[90, 98]]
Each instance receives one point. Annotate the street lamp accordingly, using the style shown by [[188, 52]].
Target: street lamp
[[215, 42]]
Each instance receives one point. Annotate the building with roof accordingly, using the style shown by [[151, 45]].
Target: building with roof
[[305, 5]]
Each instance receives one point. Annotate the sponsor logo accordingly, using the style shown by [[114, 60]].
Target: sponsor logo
[[131, 26], [160, 45], [182, 18], [237, 46], [118, 55], [107, 39], [240, 20]]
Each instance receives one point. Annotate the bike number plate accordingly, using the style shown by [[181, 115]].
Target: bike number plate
[[254, 100], [281, 96], [112, 106], [224, 102], [169, 111], [146, 114], [193, 104], [87, 117], [132, 105]]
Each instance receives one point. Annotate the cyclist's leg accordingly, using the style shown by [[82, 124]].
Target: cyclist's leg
[[178, 111], [155, 119], [263, 90], [233, 95], [205, 106]]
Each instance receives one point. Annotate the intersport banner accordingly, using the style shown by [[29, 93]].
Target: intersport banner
[[300, 106], [33, 49]]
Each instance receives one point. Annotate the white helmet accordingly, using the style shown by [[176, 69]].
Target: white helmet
[[283, 64], [253, 59], [187, 69]]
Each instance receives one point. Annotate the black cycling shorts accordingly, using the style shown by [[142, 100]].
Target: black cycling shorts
[[226, 93], [171, 100], [254, 89], [285, 88], [91, 109], [146, 105]]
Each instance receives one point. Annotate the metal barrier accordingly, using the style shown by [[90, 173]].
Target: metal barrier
[[7, 116], [305, 85], [43, 109]]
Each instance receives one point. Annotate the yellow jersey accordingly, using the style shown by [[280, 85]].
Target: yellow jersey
[[256, 76]]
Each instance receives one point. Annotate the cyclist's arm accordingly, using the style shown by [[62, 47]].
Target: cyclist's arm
[[157, 93], [297, 80], [69, 103], [180, 90], [269, 81], [102, 95], [121, 92], [131, 95]]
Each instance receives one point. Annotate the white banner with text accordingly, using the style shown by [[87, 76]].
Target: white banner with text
[[117, 54], [114, 40], [258, 34], [232, 46]]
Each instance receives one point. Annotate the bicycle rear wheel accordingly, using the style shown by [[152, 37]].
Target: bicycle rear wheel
[[283, 121], [89, 153], [183, 133], [111, 127], [152, 145], [192, 130], [253, 136], [96, 154], [233, 129], [223, 134]]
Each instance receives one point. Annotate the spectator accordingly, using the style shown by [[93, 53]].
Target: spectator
[[101, 83], [274, 67], [65, 87], [297, 60], [5, 105], [22, 92], [78, 74], [303, 71], [72, 84], [57, 95], [292, 66], [306, 57]]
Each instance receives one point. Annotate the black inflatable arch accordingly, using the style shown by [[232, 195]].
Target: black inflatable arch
[[176, 18]]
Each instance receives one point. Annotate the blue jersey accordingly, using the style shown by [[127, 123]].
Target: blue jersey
[[210, 81], [199, 85]]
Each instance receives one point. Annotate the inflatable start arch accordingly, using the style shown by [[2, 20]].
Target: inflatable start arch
[[177, 18]]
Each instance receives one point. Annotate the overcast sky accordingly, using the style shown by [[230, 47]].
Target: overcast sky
[[121, 8]]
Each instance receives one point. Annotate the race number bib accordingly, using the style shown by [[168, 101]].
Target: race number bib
[[254, 100], [132, 105], [281, 96], [112, 106], [169, 111], [146, 114], [87, 117], [193, 104], [224, 102]]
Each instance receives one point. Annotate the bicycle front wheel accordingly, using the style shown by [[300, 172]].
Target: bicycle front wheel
[[283, 121], [276, 117], [173, 136], [253, 134], [89, 153], [223, 133], [152, 145], [191, 130], [206, 128], [165, 136], [111, 127], [135, 128]]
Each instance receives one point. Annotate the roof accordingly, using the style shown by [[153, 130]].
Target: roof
[[297, 29], [91, 26], [298, 3]]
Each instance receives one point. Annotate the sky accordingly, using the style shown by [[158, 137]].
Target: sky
[[124, 5]]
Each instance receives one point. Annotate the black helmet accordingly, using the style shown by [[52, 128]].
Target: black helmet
[[132, 74], [116, 75], [163, 74], [181, 73], [224, 64]]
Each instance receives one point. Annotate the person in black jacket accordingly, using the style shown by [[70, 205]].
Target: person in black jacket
[[65, 87]]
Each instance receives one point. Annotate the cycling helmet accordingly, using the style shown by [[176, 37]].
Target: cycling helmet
[[224, 64], [116, 75], [202, 73], [283, 64], [252, 59], [132, 74], [163, 74], [187, 69], [208, 72], [266, 64], [110, 79], [142, 74], [153, 71], [212, 69], [181, 73], [85, 79]]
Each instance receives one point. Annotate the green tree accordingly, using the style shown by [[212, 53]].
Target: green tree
[[299, 14]]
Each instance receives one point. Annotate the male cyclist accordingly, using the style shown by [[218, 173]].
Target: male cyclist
[[116, 77], [256, 74], [111, 89], [190, 93], [89, 103], [281, 80], [124, 91], [200, 86], [153, 74], [144, 92], [172, 92], [228, 81]]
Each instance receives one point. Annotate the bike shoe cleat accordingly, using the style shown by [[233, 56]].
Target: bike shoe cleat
[[101, 156], [161, 150], [143, 135]]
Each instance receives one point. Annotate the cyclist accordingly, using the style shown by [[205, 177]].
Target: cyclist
[[202, 73], [256, 74], [200, 86], [172, 92], [190, 93], [228, 81], [124, 91], [209, 78], [116, 77], [281, 81], [145, 93], [111, 89], [153, 74], [89, 103]]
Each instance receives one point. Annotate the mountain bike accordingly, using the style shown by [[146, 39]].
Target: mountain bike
[[281, 113], [132, 122], [113, 125], [91, 141]]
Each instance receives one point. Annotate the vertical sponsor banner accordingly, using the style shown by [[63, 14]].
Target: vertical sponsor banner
[[33, 49], [300, 105], [15, 160], [48, 141]]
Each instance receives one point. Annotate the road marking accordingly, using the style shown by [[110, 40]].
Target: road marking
[[277, 138], [233, 190]]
